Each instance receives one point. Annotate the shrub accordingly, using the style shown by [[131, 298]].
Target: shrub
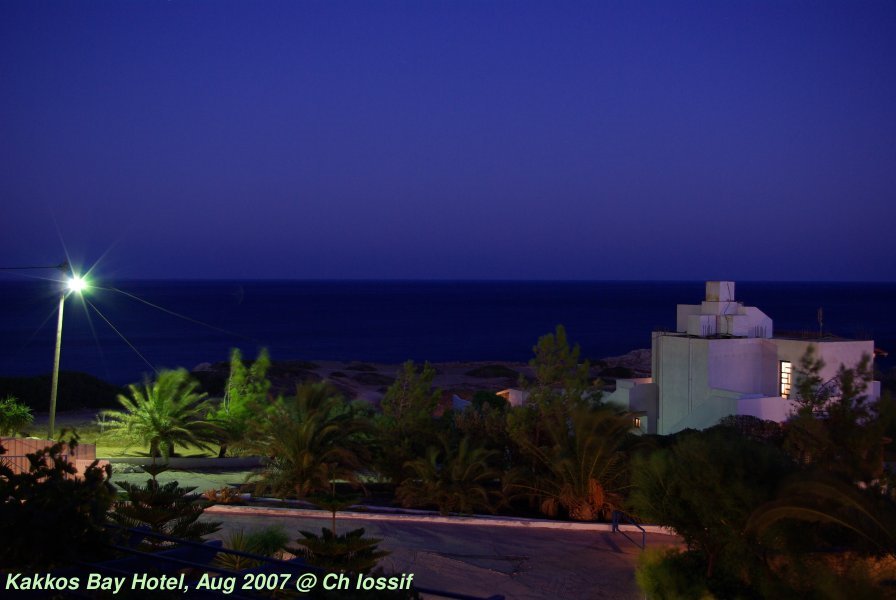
[[268, 542], [669, 574], [14, 416], [224, 495], [451, 480], [350, 552], [578, 465], [705, 487], [48, 516]]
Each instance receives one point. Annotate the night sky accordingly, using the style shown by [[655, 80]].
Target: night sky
[[459, 140]]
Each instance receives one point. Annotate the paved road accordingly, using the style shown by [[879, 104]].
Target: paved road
[[523, 563]]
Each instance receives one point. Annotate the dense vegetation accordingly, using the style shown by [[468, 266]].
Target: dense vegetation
[[802, 509], [47, 516]]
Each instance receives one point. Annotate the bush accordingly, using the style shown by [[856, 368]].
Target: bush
[[224, 495], [14, 416], [268, 542], [49, 517], [669, 574], [451, 480], [705, 487]]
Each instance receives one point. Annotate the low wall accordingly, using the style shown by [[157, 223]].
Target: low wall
[[17, 450], [235, 463]]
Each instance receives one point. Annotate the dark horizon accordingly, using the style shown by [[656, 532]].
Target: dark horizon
[[188, 322], [100, 280]]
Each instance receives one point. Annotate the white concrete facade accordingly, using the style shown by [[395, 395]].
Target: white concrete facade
[[723, 360]]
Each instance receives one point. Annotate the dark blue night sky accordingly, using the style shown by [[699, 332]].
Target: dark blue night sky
[[423, 139]]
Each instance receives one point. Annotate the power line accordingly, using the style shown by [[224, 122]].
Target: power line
[[62, 267]]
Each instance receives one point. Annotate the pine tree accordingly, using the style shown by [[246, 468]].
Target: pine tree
[[350, 552], [244, 396], [406, 426], [166, 509]]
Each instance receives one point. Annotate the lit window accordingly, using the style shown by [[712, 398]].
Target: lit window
[[786, 378], [637, 422]]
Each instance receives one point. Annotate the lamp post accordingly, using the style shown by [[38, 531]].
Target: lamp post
[[74, 284]]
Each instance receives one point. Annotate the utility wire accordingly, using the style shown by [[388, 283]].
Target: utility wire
[[171, 312], [63, 266], [109, 323]]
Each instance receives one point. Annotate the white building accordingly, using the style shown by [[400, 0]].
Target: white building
[[723, 359]]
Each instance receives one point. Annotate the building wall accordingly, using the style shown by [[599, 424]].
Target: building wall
[[681, 377], [638, 396], [770, 408], [700, 380], [700, 377], [834, 353], [745, 365]]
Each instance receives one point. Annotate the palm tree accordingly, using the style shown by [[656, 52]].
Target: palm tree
[[310, 441], [579, 464], [452, 480], [164, 413]]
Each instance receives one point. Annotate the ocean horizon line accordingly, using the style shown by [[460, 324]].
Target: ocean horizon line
[[455, 280]]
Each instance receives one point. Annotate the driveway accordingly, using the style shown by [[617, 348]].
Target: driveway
[[522, 563]]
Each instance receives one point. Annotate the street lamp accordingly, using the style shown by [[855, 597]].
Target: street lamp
[[74, 285]]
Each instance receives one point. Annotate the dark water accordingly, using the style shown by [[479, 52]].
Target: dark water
[[386, 321]]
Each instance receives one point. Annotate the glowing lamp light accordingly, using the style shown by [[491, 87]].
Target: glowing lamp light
[[77, 284]]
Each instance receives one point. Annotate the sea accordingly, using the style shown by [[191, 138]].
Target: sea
[[120, 331]]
